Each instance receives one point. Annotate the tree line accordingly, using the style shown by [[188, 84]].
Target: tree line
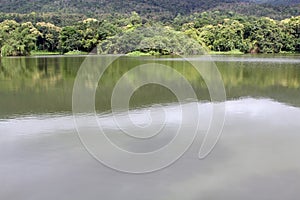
[[213, 31]]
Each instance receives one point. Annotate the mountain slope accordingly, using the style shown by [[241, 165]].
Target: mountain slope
[[99, 6], [153, 8], [277, 2]]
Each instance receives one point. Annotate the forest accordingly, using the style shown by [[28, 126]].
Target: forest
[[161, 10], [215, 31]]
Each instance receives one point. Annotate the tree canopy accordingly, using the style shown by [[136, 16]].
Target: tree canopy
[[213, 31]]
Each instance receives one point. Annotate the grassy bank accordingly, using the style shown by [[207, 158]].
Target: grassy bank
[[233, 52], [151, 53], [44, 53], [139, 53], [41, 53], [76, 53]]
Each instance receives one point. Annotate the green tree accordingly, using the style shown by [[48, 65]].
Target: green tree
[[49, 38], [158, 40], [207, 36], [229, 36], [267, 35], [70, 39], [18, 39], [291, 29], [85, 35], [94, 31]]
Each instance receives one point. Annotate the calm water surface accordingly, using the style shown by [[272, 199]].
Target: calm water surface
[[257, 156]]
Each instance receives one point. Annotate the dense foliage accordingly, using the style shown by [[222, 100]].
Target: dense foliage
[[161, 10], [214, 31], [17, 39], [152, 40]]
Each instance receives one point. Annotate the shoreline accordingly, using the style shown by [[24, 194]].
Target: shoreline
[[141, 54]]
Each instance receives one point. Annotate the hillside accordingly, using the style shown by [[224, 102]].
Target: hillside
[[153, 8], [277, 2], [103, 6]]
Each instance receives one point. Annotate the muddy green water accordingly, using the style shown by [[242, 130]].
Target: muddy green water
[[257, 156]]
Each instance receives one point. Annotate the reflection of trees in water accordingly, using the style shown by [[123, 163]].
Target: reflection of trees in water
[[270, 80], [260, 75], [241, 79], [41, 74], [35, 73]]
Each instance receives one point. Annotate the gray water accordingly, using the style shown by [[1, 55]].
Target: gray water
[[256, 157]]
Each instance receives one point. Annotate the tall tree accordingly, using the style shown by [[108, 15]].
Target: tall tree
[[49, 38], [17, 39]]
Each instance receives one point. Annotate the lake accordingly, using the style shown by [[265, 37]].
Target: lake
[[43, 157]]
